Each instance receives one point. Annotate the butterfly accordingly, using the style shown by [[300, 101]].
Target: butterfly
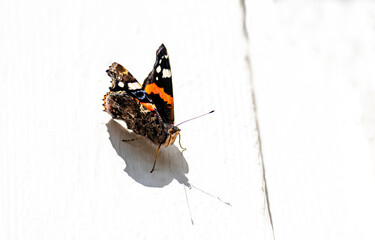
[[146, 109]]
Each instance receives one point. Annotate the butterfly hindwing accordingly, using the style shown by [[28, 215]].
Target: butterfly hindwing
[[158, 85], [121, 105]]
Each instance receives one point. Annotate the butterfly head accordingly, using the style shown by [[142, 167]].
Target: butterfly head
[[173, 132]]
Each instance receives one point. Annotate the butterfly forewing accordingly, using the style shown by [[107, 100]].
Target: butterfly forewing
[[158, 85]]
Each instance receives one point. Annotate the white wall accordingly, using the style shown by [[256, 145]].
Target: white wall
[[311, 67]]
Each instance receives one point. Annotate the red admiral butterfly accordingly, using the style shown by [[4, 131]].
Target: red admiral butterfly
[[146, 109]]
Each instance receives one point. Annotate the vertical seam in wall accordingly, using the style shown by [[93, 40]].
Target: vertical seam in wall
[[248, 63]]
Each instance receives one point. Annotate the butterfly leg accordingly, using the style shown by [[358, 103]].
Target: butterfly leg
[[179, 142], [129, 140], [157, 153]]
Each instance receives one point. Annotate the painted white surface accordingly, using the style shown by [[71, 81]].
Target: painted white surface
[[308, 59], [62, 162], [65, 174]]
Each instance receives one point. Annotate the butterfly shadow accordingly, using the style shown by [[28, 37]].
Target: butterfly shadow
[[139, 157]]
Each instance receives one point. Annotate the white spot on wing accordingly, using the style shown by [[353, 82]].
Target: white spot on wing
[[157, 78], [121, 84], [134, 85], [167, 73], [158, 69]]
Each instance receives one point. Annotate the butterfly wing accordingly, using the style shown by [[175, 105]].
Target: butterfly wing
[[158, 85], [122, 105], [123, 80]]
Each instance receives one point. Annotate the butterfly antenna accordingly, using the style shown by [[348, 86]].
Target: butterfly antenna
[[195, 118]]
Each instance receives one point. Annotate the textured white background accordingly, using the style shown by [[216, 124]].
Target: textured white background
[[65, 174]]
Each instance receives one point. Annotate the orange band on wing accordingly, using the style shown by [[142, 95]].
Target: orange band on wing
[[149, 106], [153, 88]]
